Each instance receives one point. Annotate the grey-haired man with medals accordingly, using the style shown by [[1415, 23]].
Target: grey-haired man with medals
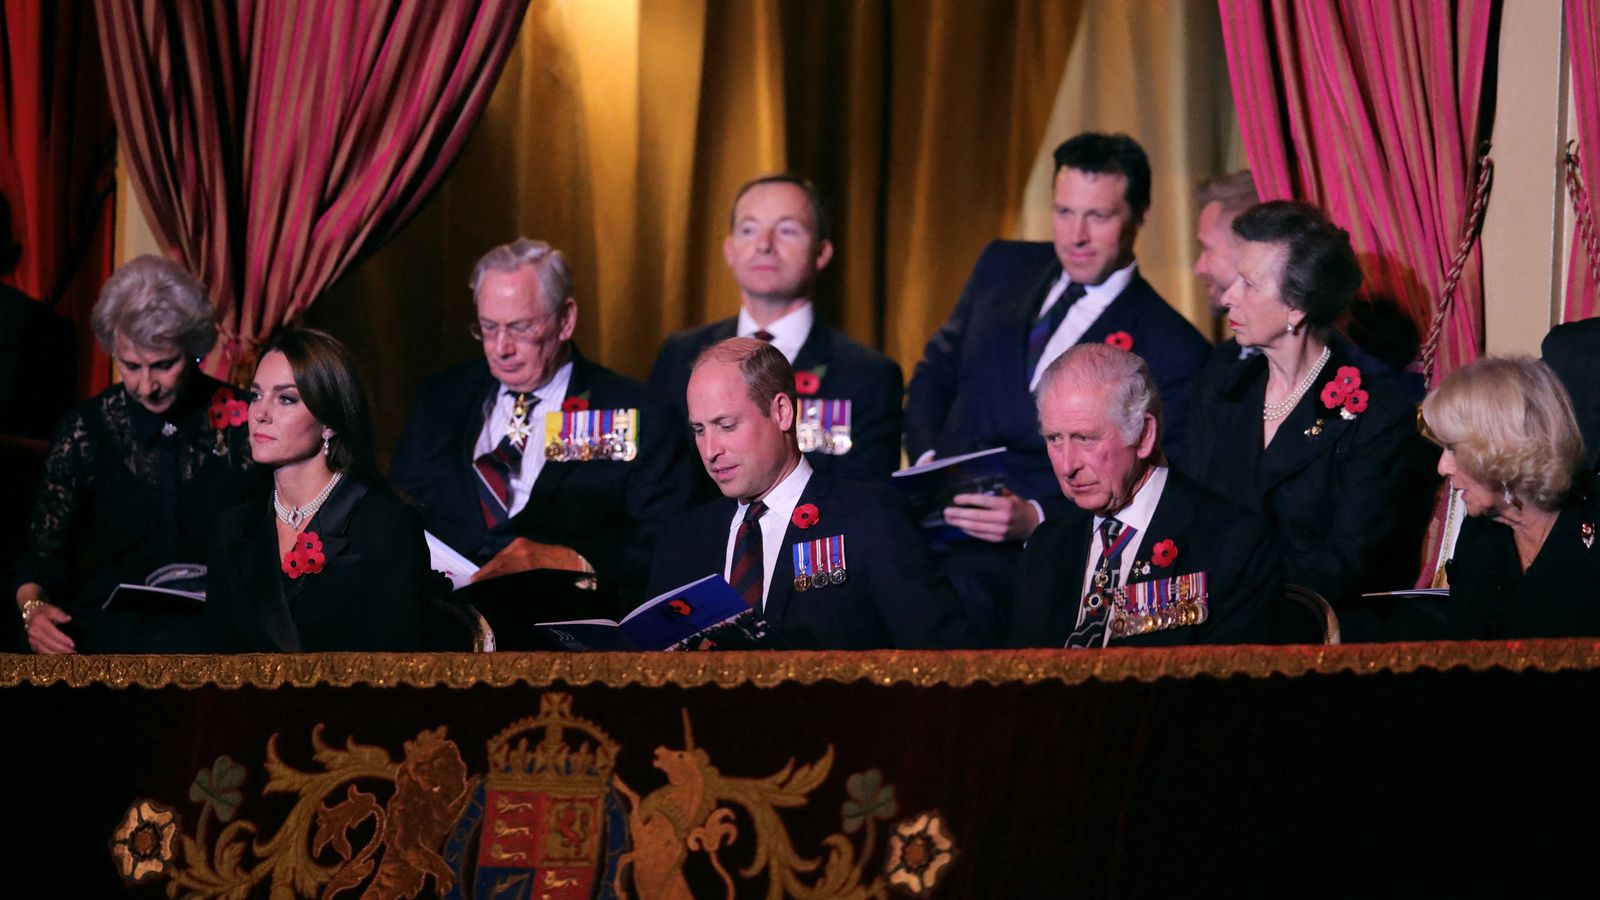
[[1147, 557]]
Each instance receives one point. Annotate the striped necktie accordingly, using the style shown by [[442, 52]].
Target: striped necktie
[[1042, 330], [1095, 610], [746, 574], [496, 468]]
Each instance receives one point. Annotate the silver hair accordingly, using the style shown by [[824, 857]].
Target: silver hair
[[1236, 191], [1133, 392], [555, 279], [155, 303]]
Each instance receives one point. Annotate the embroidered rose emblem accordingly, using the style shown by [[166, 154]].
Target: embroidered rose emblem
[[806, 383], [142, 845], [305, 557], [919, 852], [1164, 553], [574, 404], [1120, 340], [805, 515]]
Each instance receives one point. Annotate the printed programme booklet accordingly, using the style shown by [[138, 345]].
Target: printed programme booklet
[[933, 486], [703, 615]]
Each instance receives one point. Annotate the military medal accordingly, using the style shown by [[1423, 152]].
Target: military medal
[[824, 426], [838, 428], [587, 435], [819, 563], [1146, 606]]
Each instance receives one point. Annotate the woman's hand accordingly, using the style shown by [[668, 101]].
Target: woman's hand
[[42, 620]]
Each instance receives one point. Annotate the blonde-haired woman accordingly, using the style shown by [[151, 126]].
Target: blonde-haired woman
[[1526, 563]]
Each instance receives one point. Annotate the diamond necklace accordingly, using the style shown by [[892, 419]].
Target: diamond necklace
[[1271, 411], [292, 516]]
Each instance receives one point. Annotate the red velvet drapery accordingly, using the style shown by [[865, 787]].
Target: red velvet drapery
[[58, 163], [274, 142], [1370, 109]]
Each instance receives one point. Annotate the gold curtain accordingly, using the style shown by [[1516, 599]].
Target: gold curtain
[[621, 128]]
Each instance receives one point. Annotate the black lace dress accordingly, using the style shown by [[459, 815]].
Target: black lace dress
[[126, 491]]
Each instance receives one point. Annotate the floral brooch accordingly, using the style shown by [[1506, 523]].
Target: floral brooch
[[305, 557], [577, 403], [1344, 393], [808, 381], [224, 412], [806, 515], [1120, 340], [1163, 554]]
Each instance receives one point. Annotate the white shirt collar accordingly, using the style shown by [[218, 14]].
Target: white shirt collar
[[788, 333], [780, 501], [1140, 510]]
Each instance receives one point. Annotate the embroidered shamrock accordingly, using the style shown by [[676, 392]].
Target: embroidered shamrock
[[805, 515], [1120, 340], [577, 403], [1164, 553], [807, 382], [1344, 393], [305, 557], [225, 411]]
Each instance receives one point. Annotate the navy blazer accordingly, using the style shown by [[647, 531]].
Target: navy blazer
[[1233, 546], [970, 390], [1572, 350], [608, 510], [371, 594], [1349, 497], [852, 371], [886, 602]]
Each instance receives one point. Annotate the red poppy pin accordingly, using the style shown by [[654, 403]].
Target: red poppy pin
[[1344, 393], [1164, 553], [806, 383], [574, 404], [225, 411], [305, 557], [805, 515], [1120, 340], [680, 607]]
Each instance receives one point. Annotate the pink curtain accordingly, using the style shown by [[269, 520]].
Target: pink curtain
[[1583, 281], [1369, 109], [272, 143]]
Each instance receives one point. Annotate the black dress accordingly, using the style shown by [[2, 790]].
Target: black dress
[[1558, 596], [126, 491], [1348, 494], [371, 592]]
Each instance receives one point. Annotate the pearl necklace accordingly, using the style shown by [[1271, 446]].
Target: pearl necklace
[[1271, 411], [292, 516]]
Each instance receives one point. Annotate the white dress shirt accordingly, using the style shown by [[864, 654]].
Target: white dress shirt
[[1136, 514], [497, 421], [1082, 314], [780, 502], [788, 333]]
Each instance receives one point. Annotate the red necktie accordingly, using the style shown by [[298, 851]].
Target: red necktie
[[746, 574]]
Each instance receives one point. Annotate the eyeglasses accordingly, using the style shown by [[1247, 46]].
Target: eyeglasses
[[526, 331]]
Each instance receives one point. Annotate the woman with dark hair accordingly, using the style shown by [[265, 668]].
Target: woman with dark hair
[[1299, 432], [334, 561], [135, 475]]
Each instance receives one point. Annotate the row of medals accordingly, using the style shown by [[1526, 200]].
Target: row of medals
[[819, 580], [1186, 611], [607, 446], [834, 442]]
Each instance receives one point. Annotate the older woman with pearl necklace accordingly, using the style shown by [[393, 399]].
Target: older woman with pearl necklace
[[1300, 432]]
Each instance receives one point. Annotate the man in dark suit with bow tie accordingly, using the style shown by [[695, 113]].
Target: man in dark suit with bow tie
[[830, 564], [1144, 557], [1025, 304], [476, 458], [777, 244]]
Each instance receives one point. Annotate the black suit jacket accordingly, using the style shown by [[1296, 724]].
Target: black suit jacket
[[970, 391], [887, 600], [1349, 498], [1573, 351], [1558, 596], [871, 382], [371, 594], [607, 510], [1232, 545]]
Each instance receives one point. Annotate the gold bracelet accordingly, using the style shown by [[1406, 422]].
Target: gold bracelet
[[30, 608]]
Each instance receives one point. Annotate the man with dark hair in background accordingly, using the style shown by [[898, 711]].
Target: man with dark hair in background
[[1024, 305]]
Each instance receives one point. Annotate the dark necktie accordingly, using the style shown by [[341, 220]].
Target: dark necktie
[[497, 467], [746, 574], [1040, 333], [1096, 605], [763, 335]]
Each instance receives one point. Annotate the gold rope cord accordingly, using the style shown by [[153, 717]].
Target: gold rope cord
[[769, 669], [1469, 236]]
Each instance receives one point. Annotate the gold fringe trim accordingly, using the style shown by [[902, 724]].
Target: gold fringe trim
[[769, 669]]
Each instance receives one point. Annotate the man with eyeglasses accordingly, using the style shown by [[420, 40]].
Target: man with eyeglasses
[[534, 457]]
